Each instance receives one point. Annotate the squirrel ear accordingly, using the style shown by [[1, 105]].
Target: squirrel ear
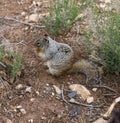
[[46, 40], [46, 35]]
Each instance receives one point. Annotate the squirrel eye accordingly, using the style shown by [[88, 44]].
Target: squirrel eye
[[37, 43]]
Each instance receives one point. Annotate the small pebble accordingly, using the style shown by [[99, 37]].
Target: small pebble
[[72, 94], [23, 13], [19, 86], [32, 99], [47, 84], [18, 107], [30, 121], [53, 94], [37, 92], [43, 118], [22, 111], [34, 18], [8, 121], [94, 89], [28, 89]]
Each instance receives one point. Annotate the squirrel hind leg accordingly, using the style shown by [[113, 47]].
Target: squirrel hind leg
[[54, 72]]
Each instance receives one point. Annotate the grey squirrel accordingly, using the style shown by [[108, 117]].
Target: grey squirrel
[[59, 58]]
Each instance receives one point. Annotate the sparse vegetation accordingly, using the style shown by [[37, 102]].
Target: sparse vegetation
[[13, 62], [110, 51], [63, 14], [1, 53], [17, 65], [107, 35]]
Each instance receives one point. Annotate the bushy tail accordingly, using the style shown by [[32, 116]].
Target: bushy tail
[[85, 67]]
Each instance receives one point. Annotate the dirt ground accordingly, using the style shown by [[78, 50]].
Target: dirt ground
[[37, 97]]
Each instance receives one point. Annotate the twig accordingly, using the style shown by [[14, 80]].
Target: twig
[[86, 105], [62, 95], [110, 109], [91, 106], [2, 64], [103, 86], [9, 44], [5, 28], [22, 22], [2, 38], [109, 94], [2, 82], [11, 25]]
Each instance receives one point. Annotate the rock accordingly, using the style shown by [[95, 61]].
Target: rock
[[26, 28], [32, 99], [57, 89], [33, 18], [44, 14], [94, 89], [18, 107], [72, 94], [30, 121], [43, 118], [53, 94], [8, 121], [19, 86], [28, 89], [83, 92], [47, 84], [26, 18], [75, 111], [23, 111], [37, 92], [23, 13], [90, 100], [37, 3]]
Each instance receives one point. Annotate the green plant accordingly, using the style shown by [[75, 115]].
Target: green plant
[[1, 53], [110, 51], [13, 61], [17, 65], [63, 14], [105, 39]]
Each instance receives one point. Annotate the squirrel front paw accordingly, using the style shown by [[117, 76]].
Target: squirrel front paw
[[48, 72]]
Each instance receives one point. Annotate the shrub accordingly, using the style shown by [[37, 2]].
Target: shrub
[[107, 36], [13, 62], [110, 51], [1, 53], [17, 65], [63, 14]]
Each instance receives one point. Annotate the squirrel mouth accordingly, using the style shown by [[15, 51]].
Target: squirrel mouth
[[38, 50]]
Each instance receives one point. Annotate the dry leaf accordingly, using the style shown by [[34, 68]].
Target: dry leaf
[[58, 91], [83, 92]]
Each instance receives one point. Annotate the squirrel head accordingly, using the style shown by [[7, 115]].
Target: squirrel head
[[42, 44]]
